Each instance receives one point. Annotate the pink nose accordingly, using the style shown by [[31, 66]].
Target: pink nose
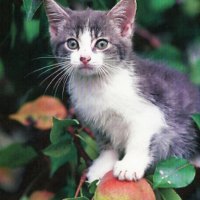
[[85, 60]]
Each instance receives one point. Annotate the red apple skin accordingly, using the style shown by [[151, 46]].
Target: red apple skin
[[111, 188], [41, 195]]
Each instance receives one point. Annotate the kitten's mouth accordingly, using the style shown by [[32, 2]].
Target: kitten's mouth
[[87, 70], [86, 67]]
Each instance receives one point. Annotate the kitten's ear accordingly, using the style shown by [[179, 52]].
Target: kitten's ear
[[123, 16], [57, 16]]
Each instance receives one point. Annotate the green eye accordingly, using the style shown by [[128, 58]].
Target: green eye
[[101, 44], [72, 44]]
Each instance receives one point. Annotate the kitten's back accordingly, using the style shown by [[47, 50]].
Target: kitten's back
[[167, 87]]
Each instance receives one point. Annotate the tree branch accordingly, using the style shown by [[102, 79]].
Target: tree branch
[[152, 39]]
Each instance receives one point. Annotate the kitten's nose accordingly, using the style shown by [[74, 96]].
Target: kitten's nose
[[85, 59]]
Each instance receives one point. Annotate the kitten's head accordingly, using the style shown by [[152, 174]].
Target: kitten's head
[[91, 42]]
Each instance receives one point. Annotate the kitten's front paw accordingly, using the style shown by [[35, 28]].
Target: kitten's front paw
[[131, 171], [95, 173], [102, 165]]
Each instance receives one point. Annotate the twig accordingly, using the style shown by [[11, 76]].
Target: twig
[[89, 132], [152, 39], [79, 147], [82, 181]]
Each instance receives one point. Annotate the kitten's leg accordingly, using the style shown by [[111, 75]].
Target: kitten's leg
[[136, 160], [104, 163], [137, 151]]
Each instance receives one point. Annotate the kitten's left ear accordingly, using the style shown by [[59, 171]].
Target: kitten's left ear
[[57, 16], [123, 16]]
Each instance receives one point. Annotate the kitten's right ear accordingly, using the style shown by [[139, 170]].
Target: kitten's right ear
[[123, 16], [57, 16]]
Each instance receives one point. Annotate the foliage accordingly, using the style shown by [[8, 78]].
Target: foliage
[[167, 31], [173, 173]]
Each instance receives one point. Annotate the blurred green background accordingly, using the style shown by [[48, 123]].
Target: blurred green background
[[166, 30]]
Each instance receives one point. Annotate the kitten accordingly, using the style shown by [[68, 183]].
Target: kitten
[[137, 108]]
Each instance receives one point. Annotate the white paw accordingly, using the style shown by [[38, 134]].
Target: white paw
[[130, 171], [95, 173], [103, 164]]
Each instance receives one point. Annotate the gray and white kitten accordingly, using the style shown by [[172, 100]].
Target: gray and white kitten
[[135, 107]]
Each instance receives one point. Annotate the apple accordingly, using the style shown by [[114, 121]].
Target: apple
[[41, 195], [110, 188]]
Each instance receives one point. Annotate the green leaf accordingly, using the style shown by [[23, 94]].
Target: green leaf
[[31, 29], [173, 173], [60, 127], [191, 8], [169, 194], [161, 5], [16, 155], [24, 198], [196, 118], [89, 145], [57, 162], [63, 3], [169, 55], [59, 149], [93, 186], [78, 198], [100, 5], [195, 72], [31, 6]]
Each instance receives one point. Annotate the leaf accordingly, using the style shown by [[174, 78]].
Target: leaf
[[24, 198], [161, 5], [195, 72], [31, 6], [169, 194], [89, 145], [60, 153], [57, 162], [59, 149], [16, 155], [39, 113], [191, 8], [100, 5], [173, 173], [196, 118], [169, 55], [31, 28], [60, 127], [93, 186]]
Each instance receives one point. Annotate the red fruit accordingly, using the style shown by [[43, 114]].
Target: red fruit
[[111, 188], [41, 195]]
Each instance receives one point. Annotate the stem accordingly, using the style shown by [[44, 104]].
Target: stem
[[152, 39], [79, 147], [82, 181]]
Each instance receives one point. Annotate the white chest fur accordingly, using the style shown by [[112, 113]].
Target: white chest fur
[[116, 107]]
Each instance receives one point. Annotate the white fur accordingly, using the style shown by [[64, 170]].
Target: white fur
[[138, 119], [102, 165], [86, 44]]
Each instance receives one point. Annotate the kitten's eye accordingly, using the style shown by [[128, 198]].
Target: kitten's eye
[[72, 44], [101, 44]]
